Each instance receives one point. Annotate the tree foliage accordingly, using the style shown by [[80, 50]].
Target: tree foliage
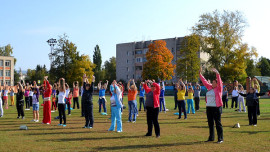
[[110, 69], [68, 63], [264, 66], [221, 37], [252, 69], [36, 74], [188, 64], [97, 59], [159, 62]]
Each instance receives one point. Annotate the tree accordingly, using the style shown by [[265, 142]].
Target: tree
[[6, 50], [97, 60], [221, 37], [159, 62], [68, 62], [36, 74], [110, 69], [252, 69], [189, 63], [264, 66]]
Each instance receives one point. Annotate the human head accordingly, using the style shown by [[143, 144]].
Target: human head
[[214, 83], [153, 88], [225, 89], [35, 90], [87, 86], [251, 90], [132, 87]]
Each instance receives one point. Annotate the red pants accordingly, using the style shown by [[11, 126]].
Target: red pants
[[53, 105], [47, 112]]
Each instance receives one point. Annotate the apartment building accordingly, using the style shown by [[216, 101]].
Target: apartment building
[[130, 57], [7, 70]]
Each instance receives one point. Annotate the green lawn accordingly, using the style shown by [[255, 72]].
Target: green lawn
[[176, 135]]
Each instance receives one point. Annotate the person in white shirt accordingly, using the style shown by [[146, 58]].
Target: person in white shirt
[[235, 95], [241, 99]]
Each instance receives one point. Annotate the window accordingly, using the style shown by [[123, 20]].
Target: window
[[138, 68], [144, 51], [7, 63], [138, 52], [138, 77], [144, 59], [1, 81], [1, 73], [8, 82], [127, 53], [127, 77], [172, 49], [133, 76], [7, 73], [1, 62], [139, 59], [127, 61], [127, 69]]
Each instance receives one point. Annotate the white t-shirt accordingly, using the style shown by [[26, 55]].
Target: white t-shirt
[[211, 99], [67, 92], [235, 93], [61, 97], [31, 93]]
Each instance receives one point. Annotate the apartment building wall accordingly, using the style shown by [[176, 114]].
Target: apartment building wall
[[7, 70]]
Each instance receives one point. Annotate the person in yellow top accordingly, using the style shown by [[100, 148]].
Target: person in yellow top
[[190, 99], [181, 98], [256, 85]]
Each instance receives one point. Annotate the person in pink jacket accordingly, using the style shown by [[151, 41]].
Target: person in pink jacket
[[214, 105]]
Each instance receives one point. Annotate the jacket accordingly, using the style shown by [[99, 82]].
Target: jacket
[[88, 94], [156, 93]]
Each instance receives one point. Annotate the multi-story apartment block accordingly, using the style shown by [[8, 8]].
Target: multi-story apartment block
[[130, 57], [7, 70]]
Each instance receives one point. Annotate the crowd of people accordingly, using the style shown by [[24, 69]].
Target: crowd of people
[[151, 98]]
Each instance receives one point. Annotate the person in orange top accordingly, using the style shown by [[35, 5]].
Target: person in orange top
[[132, 103], [76, 94]]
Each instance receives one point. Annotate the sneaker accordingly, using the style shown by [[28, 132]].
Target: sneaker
[[47, 123], [64, 125], [22, 117], [89, 127], [133, 121], [33, 120], [128, 121], [1, 116], [69, 114], [18, 117], [52, 111], [37, 121], [219, 142], [119, 131], [84, 127], [59, 125], [158, 136], [255, 125]]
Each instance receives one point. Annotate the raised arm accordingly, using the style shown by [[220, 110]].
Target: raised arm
[[135, 87], [106, 84], [219, 81], [204, 81], [99, 85], [92, 84], [157, 91], [242, 94], [145, 86], [128, 85]]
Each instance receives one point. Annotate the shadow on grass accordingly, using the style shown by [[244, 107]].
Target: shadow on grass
[[251, 132], [176, 122], [146, 146], [90, 138]]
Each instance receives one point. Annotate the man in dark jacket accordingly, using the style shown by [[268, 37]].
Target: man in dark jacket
[[88, 90]]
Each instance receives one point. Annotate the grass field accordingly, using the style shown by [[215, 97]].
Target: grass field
[[176, 135]]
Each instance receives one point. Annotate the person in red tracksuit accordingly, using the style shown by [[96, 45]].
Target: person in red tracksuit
[[47, 102]]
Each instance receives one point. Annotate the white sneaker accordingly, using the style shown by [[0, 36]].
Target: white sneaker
[[47, 123], [33, 120], [37, 121], [119, 131], [133, 121], [255, 125], [52, 111]]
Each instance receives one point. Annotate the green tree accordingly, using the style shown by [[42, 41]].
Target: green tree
[[110, 69], [6, 50], [221, 37], [97, 60], [252, 69], [264, 66], [66, 60], [36, 74], [189, 64]]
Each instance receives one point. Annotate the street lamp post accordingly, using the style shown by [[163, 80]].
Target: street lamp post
[[52, 43]]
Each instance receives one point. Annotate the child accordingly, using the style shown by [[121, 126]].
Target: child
[[252, 104], [161, 97], [35, 103], [241, 99], [102, 100], [68, 101], [61, 102], [142, 93], [12, 96], [53, 102], [190, 99]]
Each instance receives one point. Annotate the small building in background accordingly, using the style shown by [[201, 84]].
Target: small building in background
[[7, 70]]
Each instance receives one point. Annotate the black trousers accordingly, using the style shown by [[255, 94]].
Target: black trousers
[[76, 101], [182, 107], [82, 110], [89, 117], [252, 115], [31, 100], [214, 115], [175, 102], [62, 113], [225, 101], [27, 102], [234, 100], [152, 118], [56, 102], [68, 106], [197, 103], [19, 106], [258, 107]]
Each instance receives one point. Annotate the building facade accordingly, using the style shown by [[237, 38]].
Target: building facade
[[130, 57], [7, 70]]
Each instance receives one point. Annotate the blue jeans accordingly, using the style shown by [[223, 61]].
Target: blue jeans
[[116, 118], [35, 107], [103, 103], [132, 107], [162, 104], [190, 104]]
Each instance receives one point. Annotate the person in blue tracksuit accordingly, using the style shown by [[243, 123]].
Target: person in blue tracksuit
[[162, 98], [116, 105], [142, 93], [102, 100]]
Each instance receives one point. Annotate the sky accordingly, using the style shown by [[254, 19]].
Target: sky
[[28, 24]]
